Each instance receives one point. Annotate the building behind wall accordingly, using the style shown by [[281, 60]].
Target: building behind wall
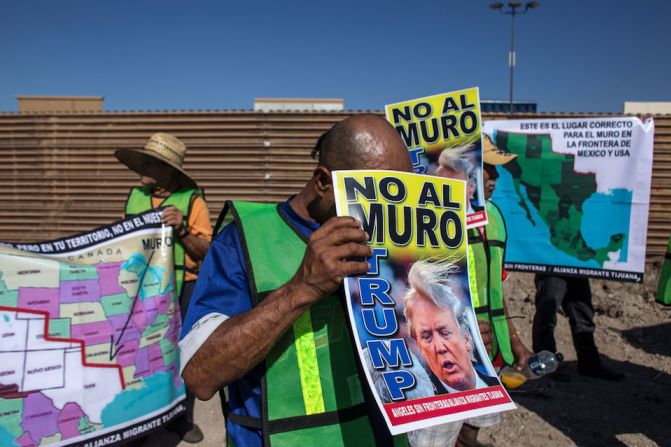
[[60, 104]]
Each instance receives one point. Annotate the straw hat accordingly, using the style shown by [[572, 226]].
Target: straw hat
[[494, 155], [163, 147]]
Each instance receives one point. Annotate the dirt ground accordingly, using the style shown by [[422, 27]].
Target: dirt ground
[[633, 334]]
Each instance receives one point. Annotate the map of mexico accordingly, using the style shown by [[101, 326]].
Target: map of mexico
[[88, 337], [556, 191], [576, 198]]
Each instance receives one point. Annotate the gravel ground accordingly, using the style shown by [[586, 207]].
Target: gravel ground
[[634, 336]]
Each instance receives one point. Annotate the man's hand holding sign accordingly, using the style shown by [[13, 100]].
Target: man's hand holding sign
[[331, 255]]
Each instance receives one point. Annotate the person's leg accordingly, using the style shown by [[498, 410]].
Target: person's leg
[[189, 403], [468, 436], [550, 292], [580, 311], [578, 306], [439, 435]]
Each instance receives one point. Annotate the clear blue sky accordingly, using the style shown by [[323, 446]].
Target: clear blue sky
[[572, 55]]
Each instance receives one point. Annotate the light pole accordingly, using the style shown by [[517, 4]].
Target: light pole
[[512, 9]]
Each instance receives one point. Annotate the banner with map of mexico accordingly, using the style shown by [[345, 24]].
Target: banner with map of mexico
[[576, 198], [89, 326]]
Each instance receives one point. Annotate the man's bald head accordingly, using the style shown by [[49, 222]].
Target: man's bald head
[[358, 142], [363, 142]]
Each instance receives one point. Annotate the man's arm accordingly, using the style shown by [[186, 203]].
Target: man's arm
[[520, 352], [194, 246], [243, 341], [486, 334]]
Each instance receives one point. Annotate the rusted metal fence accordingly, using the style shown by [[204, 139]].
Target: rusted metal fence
[[59, 176]]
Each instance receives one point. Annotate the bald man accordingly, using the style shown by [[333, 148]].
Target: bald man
[[266, 317]]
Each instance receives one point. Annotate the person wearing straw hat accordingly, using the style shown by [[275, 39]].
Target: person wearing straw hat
[[164, 184]]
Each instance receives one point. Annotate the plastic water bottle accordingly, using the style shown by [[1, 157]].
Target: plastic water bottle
[[539, 364], [544, 362]]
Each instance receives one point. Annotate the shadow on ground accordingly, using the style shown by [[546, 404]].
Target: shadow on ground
[[161, 438], [594, 412], [651, 339], [209, 419]]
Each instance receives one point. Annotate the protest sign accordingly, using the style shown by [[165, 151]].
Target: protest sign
[[576, 198], [89, 326], [411, 314], [443, 134]]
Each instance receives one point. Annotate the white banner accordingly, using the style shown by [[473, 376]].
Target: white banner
[[576, 198]]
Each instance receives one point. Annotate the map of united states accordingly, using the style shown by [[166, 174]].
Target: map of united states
[[77, 341]]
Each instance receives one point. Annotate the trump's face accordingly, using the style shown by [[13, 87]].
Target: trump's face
[[442, 344], [444, 171]]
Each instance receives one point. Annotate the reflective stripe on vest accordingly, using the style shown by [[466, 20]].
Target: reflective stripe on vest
[[139, 201], [311, 391], [485, 263], [306, 353], [663, 294], [473, 282]]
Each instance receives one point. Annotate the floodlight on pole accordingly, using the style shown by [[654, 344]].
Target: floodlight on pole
[[513, 8]]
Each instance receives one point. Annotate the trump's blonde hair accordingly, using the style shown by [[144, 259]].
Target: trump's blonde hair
[[432, 280]]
